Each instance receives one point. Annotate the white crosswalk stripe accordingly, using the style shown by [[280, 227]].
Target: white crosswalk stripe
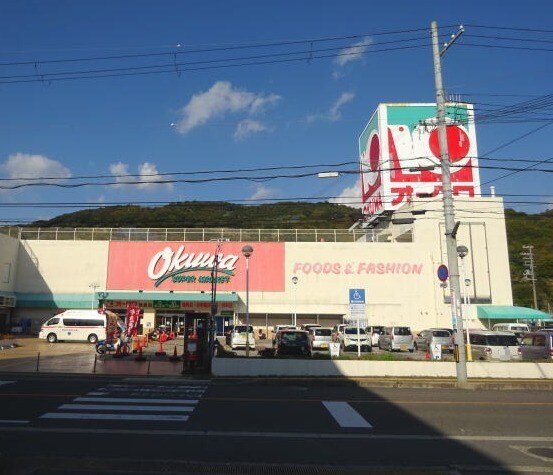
[[133, 402]]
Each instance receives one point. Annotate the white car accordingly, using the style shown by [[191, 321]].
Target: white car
[[350, 339], [238, 337]]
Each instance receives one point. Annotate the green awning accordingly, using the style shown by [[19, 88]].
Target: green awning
[[55, 301], [167, 296], [63, 301], [508, 312]]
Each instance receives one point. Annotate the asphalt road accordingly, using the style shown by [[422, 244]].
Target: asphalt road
[[91, 424]]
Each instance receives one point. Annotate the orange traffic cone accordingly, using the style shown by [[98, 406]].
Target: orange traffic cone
[[140, 356], [175, 357], [427, 354]]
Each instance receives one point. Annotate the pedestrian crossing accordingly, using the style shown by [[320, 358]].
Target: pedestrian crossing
[[133, 402]]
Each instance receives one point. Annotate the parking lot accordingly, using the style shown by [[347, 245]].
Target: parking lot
[[376, 353]]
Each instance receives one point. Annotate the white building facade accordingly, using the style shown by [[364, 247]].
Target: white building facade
[[46, 272]]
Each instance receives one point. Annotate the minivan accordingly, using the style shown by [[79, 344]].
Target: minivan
[[79, 325], [519, 329], [320, 338], [537, 345], [292, 342], [426, 338], [238, 337], [490, 345], [396, 339]]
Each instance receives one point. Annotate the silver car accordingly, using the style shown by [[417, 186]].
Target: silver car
[[396, 339], [426, 338], [320, 338], [488, 345]]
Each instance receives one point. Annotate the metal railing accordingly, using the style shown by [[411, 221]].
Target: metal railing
[[199, 234]]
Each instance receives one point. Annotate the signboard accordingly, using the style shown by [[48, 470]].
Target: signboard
[[334, 349], [436, 350], [357, 296], [443, 272], [400, 157], [188, 266]]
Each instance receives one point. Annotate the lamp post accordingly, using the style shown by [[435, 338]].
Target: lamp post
[[295, 281], [93, 286], [247, 250], [463, 252]]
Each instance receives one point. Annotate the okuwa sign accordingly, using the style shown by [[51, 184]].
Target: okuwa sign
[[188, 266]]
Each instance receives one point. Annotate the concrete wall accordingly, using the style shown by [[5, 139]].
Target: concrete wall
[[8, 263], [255, 367], [62, 266]]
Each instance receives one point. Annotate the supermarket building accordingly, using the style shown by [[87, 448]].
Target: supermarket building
[[169, 273]]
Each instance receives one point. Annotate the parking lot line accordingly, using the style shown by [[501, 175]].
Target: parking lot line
[[346, 415]]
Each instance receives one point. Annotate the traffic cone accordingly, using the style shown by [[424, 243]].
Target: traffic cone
[[427, 354], [140, 356], [175, 357]]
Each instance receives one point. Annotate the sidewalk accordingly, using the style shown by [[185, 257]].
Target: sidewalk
[[38, 356]]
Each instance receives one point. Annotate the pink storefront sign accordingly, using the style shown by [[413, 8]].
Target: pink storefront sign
[[189, 266]]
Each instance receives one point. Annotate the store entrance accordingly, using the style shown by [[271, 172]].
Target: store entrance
[[171, 322]]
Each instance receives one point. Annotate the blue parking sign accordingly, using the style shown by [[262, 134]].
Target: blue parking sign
[[356, 296]]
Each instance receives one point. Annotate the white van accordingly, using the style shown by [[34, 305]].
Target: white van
[[519, 329], [78, 325]]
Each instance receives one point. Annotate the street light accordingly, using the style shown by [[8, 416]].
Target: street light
[[93, 286], [462, 252], [247, 250], [295, 281]]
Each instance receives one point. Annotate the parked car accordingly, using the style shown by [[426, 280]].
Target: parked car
[[238, 337], [490, 345], [320, 338], [519, 329], [396, 339], [350, 339], [426, 338], [308, 326], [292, 342], [277, 328], [374, 333], [537, 345]]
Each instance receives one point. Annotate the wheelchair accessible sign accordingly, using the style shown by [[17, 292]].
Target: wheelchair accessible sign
[[356, 296], [357, 304]]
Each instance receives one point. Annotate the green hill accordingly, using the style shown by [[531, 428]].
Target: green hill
[[522, 229]]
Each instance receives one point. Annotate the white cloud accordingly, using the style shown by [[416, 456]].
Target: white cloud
[[334, 113], [350, 196], [248, 127], [353, 53], [220, 99], [24, 165], [263, 192], [148, 176]]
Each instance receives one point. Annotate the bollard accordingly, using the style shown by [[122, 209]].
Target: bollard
[[94, 367], [37, 361]]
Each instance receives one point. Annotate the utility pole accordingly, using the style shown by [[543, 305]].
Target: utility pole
[[449, 212], [213, 307], [530, 272]]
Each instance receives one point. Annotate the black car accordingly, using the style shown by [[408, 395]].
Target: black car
[[292, 342]]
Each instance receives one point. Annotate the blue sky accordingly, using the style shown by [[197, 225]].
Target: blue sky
[[207, 116]]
